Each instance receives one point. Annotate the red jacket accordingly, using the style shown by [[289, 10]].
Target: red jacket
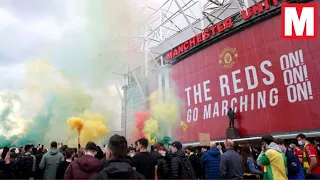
[[83, 168]]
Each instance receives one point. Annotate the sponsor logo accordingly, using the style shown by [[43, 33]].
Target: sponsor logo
[[228, 57]]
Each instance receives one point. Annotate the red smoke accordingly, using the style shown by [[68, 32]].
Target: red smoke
[[141, 118]]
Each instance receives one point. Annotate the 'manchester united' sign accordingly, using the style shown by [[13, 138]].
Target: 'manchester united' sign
[[205, 35], [219, 28]]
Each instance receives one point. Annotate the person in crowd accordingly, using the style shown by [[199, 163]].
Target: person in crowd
[[181, 167], [21, 150], [204, 149], [230, 164], [5, 150], [118, 166], [237, 148], [248, 163], [2, 166], [64, 164], [85, 166], [23, 166], [151, 149], [195, 161], [154, 149], [63, 149], [255, 152], [38, 154], [273, 160], [295, 170], [211, 161], [136, 145], [144, 162], [75, 154], [34, 150], [297, 151], [50, 161], [199, 154], [163, 171], [81, 152], [99, 154], [310, 157], [131, 151], [5, 168], [317, 144], [104, 160], [28, 154]]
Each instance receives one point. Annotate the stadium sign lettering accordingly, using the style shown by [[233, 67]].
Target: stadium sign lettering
[[219, 28]]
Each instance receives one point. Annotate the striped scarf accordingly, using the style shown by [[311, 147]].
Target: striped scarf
[[305, 158]]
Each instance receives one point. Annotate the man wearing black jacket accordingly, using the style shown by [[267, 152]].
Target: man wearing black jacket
[[181, 167], [195, 161], [117, 166], [163, 161], [230, 164]]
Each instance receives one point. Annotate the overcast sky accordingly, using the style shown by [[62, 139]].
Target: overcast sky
[[28, 26], [25, 27]]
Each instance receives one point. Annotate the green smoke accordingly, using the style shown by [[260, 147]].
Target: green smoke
[[4, 142], [82, 62]]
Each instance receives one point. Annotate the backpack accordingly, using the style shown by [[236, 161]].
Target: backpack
[[23, 166], [104, 174], [187, 171]]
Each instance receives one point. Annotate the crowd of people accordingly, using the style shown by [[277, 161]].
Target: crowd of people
[[276, 159]]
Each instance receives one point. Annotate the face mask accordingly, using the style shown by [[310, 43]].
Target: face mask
[[300, 143], [291, 146], [163, 153]]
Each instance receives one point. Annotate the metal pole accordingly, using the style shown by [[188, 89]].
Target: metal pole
[[146, 41], [238, 4], [161, 28], [124, 111], [119, 92], [162, 61], [160, 90], [139, 85], [146, 56], [185, 16], [167, 92], [201, 18]]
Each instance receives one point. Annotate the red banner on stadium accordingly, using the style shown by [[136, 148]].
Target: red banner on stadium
[[273, 84]]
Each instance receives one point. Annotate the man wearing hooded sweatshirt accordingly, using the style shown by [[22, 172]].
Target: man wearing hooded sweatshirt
[[50, 161], [273, 160], [85, 166], [211, 161]]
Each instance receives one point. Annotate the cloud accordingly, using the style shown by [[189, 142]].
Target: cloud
[[12, 75], [22, 39]]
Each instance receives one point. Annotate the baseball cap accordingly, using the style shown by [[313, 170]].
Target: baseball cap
[[177, 144]]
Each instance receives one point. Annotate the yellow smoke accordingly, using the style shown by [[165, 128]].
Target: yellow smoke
[[76, 123], [151, 140], [151, 127], [164, 110], [94, 127]]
